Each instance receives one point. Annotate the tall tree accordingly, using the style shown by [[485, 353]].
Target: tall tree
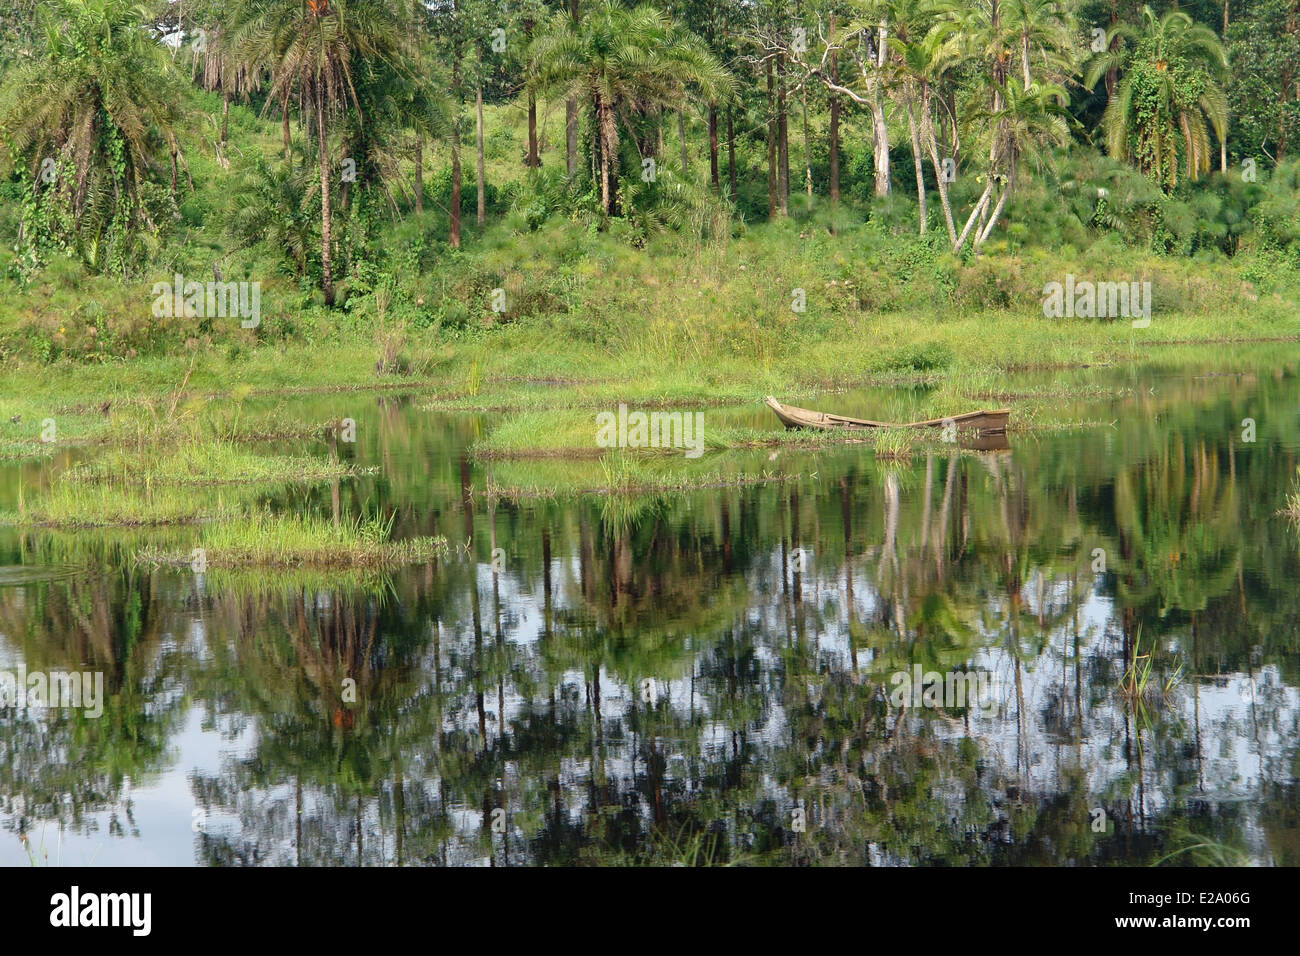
[[622, 62], [313, 50], [85, 116], [1168, 96]]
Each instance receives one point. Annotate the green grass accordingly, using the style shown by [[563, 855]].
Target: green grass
[[893, 444], [206, 463], [621, 474], [267, 540], [83, 505]]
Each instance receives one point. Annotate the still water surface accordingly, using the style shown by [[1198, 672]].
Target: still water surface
[[669, 679]]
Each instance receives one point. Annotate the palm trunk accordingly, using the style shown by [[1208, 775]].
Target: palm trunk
[[681, 135], [731, 156], [916, 162], [478, 146], [713, 146], [533, 161], [927, 129], [453, 229], [975, 213], [571, 116], [807, 146], [322, 149], [284, 121], [225, 114], [771, 142], [419, 174], [783, 141], [608, 152], [993, 219], [835, 130]]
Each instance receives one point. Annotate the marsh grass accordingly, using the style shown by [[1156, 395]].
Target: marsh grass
[[72, 504], [1292, 509], [207, 463], [620, 474], [1137, 685], [266, 540], [893, 444]]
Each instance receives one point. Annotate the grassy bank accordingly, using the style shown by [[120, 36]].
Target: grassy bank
[[292, 541]]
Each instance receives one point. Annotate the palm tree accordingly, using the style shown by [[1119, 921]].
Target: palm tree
[[1028, 119], [1170, 90], [923, 64], [91, 107], [314, 49], [623, 61], [1042, 31]]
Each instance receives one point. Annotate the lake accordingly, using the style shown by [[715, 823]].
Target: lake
[[734, 674]]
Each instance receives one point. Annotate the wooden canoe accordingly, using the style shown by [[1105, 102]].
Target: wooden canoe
[[986, 422]]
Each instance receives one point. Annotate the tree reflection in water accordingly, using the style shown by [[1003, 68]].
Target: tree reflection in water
[[666, 679]]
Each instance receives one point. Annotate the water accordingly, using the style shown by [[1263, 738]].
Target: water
[[704, 676]]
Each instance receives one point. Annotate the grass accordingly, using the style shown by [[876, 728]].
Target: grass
[[893, 444], [1136, 685], [1292, 509], [206, 463], [266, 540], [83, 505], [619, 475]]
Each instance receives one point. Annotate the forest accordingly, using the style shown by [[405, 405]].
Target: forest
[[411, 173]]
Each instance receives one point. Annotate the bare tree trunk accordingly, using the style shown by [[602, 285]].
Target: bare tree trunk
[[879, 131], [478, 145]]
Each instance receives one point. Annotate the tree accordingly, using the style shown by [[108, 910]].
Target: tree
[[1028, 118], [1264, 100], [315, 49], [621, 61], [85, 116], [1168, 96]]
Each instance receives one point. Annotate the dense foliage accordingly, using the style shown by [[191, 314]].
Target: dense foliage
[[323, 146]]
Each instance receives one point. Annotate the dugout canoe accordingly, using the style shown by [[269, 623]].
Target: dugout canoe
[[986, 422]]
